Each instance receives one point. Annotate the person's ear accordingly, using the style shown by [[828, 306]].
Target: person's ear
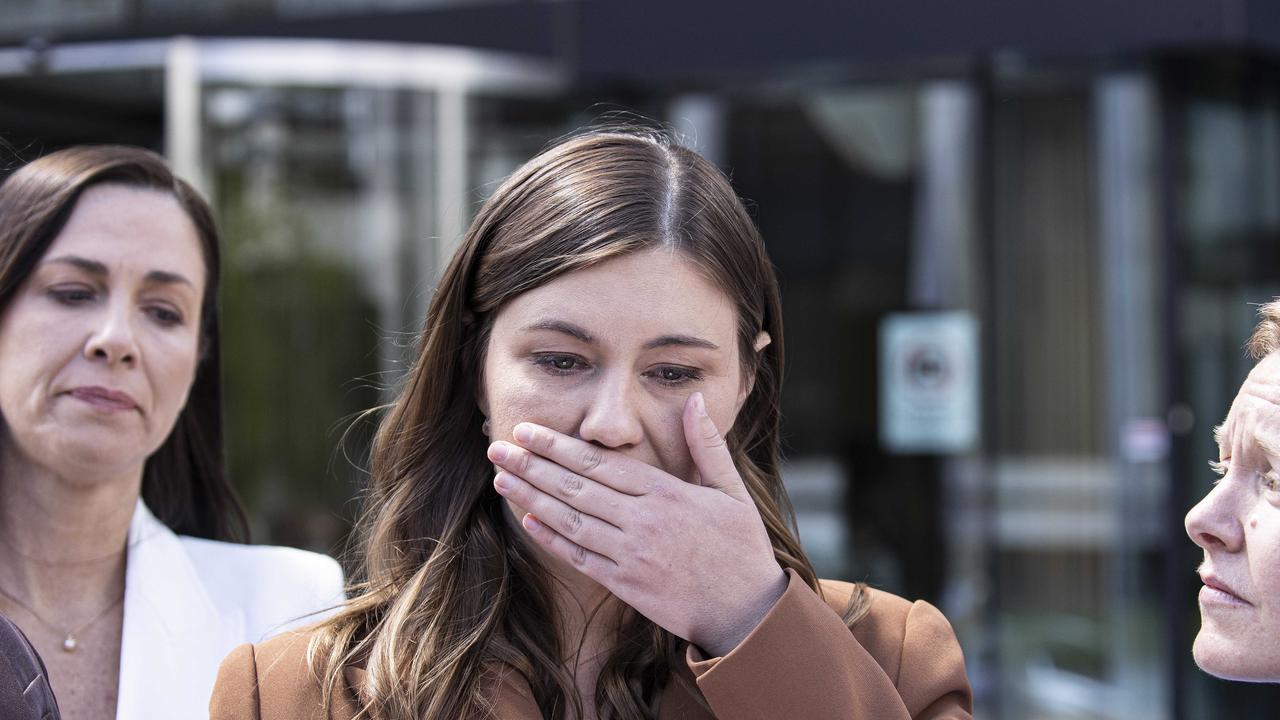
[[762, 342]]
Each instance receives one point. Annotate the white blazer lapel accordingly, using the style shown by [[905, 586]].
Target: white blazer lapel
[[174, 636]]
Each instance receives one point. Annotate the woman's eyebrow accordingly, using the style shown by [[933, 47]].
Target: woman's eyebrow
[[561, 326], [165, 277], [93, 267], [680, 341]]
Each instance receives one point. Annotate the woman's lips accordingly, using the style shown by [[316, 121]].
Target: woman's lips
[[1215, 592], [104, 398]]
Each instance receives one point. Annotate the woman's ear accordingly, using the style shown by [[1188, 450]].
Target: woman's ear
[[762, 340], [749, 383]]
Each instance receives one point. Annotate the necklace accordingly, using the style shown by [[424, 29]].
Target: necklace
[[70, 643]]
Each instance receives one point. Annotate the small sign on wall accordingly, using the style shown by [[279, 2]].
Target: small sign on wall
[[929, 382]]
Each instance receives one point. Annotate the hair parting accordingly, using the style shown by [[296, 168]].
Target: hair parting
[[451, 601]]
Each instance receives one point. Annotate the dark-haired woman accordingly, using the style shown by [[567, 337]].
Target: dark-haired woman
[[576, 509], [114, 509]]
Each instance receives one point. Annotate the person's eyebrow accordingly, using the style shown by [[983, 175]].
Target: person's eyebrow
[[680, 341], [560, 326], [164, 277], [1268, 446], [93, 267]]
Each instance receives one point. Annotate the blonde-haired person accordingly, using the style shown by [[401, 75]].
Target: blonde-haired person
[[1238, 526], [575, 509]]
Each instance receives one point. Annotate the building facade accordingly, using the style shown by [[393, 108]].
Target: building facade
[[1092, 190]]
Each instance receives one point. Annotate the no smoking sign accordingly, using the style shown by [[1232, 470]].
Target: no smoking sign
[[929, 382]]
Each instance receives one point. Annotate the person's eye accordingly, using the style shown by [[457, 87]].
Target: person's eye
[[674, 374], [1271, 481], [559, 364], [71, 295], [165, 315]]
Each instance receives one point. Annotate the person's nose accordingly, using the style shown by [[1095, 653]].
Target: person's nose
[[1215, 522], [612, 418], [114, 338]]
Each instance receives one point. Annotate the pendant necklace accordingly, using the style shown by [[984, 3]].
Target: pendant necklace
[[70, 636]]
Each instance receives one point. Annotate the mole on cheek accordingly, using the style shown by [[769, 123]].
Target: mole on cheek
[[1254, 523]]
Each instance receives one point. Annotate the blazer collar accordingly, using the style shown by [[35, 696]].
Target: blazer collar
[[173, 636]]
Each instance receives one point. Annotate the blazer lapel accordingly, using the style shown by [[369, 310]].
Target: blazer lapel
[[174, 637]]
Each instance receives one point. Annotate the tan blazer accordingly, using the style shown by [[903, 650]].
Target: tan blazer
[[901, 661]]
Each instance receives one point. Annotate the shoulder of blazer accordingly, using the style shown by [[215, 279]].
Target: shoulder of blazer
[[267, 681], [277, 588], [273, 681], [887, 624], [885, 607]]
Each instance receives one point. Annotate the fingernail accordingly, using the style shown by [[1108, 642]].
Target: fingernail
[[502, 481], [531, 523], [700, 404], [498, 452], [523, 433]]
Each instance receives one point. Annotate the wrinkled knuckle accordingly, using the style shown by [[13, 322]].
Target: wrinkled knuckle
[[522, 462], [570, 485], [592, 458], [572, 522], [579, 555]]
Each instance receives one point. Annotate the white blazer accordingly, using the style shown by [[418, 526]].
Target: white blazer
[[188, 602]]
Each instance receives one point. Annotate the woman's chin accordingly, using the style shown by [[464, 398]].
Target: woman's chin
[[89, 461], [1230, 660]]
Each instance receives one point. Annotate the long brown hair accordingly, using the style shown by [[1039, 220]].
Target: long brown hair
[[184, 481], [449, 598]]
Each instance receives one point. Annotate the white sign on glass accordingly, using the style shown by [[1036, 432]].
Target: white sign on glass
[[929, 382]]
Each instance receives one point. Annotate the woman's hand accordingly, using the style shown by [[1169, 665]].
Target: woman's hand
[[693, 558]]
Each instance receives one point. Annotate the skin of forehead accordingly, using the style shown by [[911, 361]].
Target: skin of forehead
[[1255, 414]]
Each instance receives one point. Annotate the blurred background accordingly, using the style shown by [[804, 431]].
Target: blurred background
[[1020, 246]]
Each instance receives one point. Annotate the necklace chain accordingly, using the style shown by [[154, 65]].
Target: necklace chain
[[70, 641]]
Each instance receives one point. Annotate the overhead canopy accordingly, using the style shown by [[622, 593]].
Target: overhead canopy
[[655, 39]]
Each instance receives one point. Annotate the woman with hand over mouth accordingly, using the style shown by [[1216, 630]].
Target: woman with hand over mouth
[[575, 507]]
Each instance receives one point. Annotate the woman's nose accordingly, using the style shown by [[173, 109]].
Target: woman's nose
[[612, 418], [113, 340], [1215, 523]]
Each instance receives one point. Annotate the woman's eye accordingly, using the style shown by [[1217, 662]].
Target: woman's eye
[[559, 364], [72, 294], [165, 315], [672, 375], [1271, 481]]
